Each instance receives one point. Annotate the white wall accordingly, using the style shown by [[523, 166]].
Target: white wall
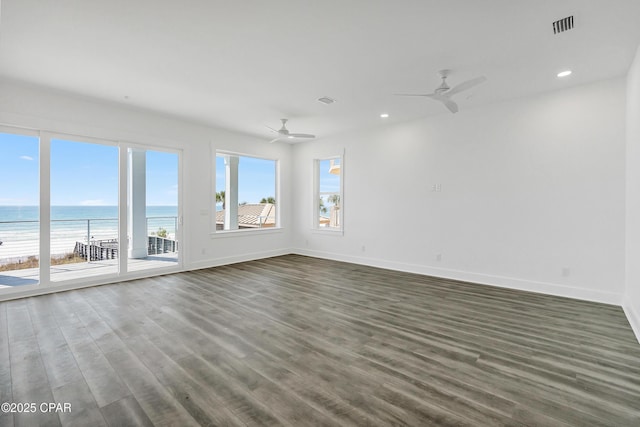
[[529, 188], [37, 108], [632, 295]]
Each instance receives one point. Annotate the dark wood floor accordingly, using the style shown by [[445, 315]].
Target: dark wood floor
[[301, 341]]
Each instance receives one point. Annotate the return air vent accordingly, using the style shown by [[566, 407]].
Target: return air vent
[[562, 25], [326, 100]]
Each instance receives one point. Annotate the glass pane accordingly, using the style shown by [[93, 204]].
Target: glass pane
[[221, 183], [252, 188], [19, 210], [152, 209], [329, 171], [256, 193], [84, 209]]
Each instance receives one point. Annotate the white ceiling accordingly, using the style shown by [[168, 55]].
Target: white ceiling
[[242, 65]]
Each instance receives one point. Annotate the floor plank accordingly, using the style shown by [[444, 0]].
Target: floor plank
[[294, 340]]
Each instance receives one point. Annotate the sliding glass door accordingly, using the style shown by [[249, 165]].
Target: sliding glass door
[[152, 209], [84, 209], [73, 208], [19, 210]]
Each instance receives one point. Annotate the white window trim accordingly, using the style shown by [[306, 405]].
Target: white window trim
[[245, 232]]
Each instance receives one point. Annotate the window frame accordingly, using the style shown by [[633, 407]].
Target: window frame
[[316, 197], [42, 282], [277, 228]]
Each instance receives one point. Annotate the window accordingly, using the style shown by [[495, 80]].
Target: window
[[152, 211], [19, 210], [246, 196], [328, 194], [80, 207], [84, 209]]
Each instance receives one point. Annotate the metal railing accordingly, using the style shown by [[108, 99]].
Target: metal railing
[[21, 239], [156, 224]]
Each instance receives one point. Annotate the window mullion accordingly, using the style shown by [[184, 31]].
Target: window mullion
[[45, 209]]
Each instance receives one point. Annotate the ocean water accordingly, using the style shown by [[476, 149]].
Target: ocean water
[[19, 227]]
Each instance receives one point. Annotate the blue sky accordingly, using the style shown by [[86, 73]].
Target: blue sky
[[162, 179], [329, 182], [19, 170], [81, 174], [256, 178]]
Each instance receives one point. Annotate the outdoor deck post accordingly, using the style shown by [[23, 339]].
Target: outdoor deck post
[[88, 239], [137, 215], [231, 192]]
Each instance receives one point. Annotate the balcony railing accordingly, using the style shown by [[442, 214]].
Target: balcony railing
[[21, 239]]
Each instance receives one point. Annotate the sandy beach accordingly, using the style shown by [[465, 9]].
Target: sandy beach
[[14, 250]]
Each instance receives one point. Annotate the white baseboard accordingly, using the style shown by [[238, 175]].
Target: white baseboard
[[634, 318], [484, 279], [480, 278], [236, 259]]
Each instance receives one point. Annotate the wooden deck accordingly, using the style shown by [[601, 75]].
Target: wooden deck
[[298, 341], [85, 269]]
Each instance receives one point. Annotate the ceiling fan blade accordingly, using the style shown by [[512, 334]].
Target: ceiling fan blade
[[414, 94], [466, 85], [301, 135], [274, 140], [452, 106], [271, 129]]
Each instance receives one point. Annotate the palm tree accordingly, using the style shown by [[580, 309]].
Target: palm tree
[[335, 199], [321, 206], [269, 199], [220, 197]]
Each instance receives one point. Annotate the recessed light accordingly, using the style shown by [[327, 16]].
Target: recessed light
[[564, 73], [384, 115]]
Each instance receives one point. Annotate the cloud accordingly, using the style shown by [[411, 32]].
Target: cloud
[[16, 202], [26, 158], [97, 202]]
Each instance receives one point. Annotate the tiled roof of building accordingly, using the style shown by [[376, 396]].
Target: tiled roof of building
[[253, 215]]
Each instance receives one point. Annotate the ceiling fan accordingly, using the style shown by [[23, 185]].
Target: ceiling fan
[[443, 93], [283, 132]]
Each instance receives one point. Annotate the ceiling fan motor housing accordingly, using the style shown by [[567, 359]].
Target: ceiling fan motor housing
[[283, 130], [443, 86]]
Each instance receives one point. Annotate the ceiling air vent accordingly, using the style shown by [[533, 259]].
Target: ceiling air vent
[[326, 100], [562, 25]]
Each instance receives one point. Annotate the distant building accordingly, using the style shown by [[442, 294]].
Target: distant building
[[255, 215], [333, 220]]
